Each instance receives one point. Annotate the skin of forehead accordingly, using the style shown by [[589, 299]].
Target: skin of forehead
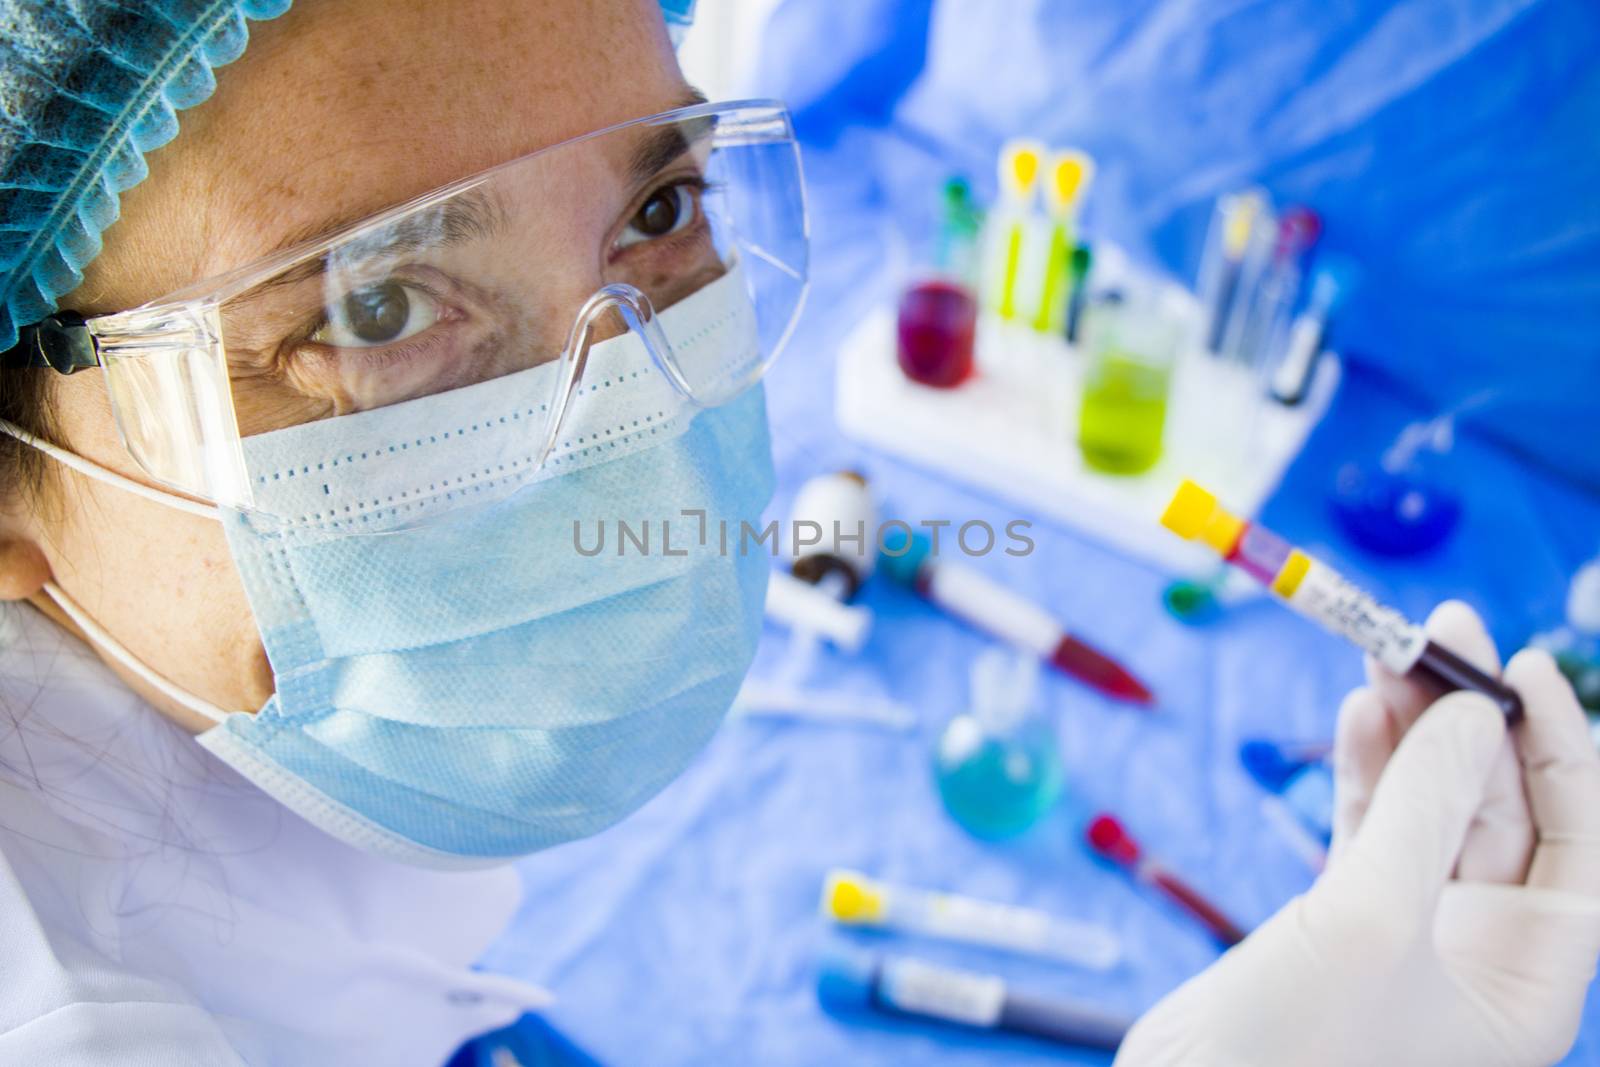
[[341, 109]]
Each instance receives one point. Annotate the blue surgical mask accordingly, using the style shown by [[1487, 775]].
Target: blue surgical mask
[[460, 683]]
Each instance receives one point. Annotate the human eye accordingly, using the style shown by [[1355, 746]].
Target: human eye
[[669, 209], [382, 313]]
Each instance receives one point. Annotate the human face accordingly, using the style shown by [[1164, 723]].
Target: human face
[[337, 110]]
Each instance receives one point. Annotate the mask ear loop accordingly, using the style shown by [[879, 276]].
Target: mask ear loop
[[119, 652], [91, 629], [638, 315], [90, 469]]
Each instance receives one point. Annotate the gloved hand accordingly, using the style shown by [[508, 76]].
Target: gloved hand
[[1458, 922]]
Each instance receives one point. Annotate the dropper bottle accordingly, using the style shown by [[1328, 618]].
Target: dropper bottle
[[998, 766]]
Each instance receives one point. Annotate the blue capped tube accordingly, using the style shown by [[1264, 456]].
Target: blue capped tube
[[855, 981]]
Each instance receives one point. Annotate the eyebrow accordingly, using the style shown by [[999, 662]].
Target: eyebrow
[[470, 214], [464, 217], [663, 144]]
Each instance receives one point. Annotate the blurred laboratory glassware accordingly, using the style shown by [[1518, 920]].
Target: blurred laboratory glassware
[[1132, 345]]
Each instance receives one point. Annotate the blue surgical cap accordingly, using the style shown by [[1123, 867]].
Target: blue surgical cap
[[87, 87], [679, 15]]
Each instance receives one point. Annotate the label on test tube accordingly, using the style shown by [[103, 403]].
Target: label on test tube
[[965, 919], [972, 597], [1321, 593], [959, 996], [1025, 930]]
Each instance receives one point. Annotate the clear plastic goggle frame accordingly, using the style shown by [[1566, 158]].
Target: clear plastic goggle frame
[[527, 264]]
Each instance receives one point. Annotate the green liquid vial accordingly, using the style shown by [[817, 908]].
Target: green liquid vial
[[1123, 414], [1132, 343], [998, 767]]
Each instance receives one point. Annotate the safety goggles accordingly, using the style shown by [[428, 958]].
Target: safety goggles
[[524, 267]]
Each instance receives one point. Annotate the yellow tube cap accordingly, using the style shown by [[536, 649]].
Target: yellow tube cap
[[1020, 163], [1195, 515], [1189, 512], [1070, 175], [851, 898]]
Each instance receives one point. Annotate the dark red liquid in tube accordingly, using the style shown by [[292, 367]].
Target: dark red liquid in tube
[[938, 322]]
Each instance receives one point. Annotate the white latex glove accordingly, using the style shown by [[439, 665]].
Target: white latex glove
[[1458, 922]]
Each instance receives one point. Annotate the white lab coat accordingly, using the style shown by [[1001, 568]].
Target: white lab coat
[[157, 909]]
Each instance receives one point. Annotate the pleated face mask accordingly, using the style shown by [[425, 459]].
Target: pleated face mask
[[478, 458], [518, 673], [462, 683]]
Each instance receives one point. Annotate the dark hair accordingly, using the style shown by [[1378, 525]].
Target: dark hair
[[25, 396]]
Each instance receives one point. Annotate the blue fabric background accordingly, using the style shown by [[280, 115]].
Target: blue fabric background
[[1448, 144], [1451, 148]]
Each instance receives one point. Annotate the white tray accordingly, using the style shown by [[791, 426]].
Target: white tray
[[1011, 431]]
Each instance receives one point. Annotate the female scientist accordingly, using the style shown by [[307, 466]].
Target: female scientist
[[296, 449]]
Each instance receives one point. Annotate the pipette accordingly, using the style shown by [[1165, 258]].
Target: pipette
[[957, 254], [969, 595], [1238, 216], [864, 981], [1322, 594], [1107, 837], [1020, 163], [1292, 379], [1082, 261], [853, 899], [1071, 172], [1264, 315]]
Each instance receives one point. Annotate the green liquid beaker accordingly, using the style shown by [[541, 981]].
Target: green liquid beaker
[[1125, 385]]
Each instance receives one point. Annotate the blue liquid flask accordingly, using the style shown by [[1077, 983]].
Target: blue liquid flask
[[1405, 502], [998, 765]]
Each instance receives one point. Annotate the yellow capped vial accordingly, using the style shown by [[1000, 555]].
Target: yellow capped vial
[[1071, 172], [1194, 515], [1020, 163], [852, 899]]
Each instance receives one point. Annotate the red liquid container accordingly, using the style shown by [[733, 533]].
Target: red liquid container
[[937, 322]]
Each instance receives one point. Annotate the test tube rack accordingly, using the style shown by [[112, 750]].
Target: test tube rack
[[1011, 431]]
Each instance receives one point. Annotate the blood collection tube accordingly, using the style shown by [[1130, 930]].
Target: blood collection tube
[[852, 981], [852, 899], [1323, 595], [1108, 838], [973, 597]]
